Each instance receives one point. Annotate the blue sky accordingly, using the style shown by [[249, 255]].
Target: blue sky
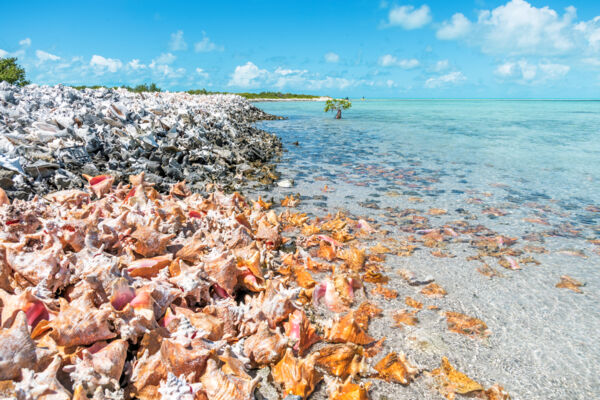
[[481, 48]]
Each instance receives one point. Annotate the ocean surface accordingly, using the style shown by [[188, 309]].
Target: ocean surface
[[529, 170]]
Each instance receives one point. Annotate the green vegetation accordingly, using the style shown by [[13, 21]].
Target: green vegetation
[[12, 72], [337, 105], [261, 95], [136, 89]]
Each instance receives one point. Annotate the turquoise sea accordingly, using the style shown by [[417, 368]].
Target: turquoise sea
[[529, 170]]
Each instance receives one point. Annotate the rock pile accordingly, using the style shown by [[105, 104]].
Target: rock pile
[[51, 136]]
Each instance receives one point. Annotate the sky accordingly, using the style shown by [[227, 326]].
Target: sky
[[376, 49]]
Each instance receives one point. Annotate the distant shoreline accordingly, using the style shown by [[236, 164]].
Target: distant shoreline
[[265, 100]]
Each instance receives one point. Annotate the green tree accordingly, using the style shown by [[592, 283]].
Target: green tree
[[337, 105], [12, 72]]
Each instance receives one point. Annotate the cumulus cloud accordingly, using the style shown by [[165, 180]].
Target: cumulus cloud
[[389, 60], [206, 45], [525, 72], [591, 32], [332, 57], [25, 42], [43, 56], [3, 53], [177, 42], [165, 58], [202, 73], [247, 75], [409, 17], [458, 26], [105, 64], [136, 65], [451, 78], [250, 76], [518, 28]]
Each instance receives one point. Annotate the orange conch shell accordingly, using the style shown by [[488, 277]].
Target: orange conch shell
[[25, 301], [221, 386], [347, 390], [433, 290], [297, 376], [396, 368], [149, 242], [80, 323], [265, 346], [148, 267], [185, 359], [451, 381], [203, 322], [347, 329], [466, 325], [343, 360], [148, 371]]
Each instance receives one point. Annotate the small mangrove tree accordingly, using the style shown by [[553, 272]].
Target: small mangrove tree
[[337, 105]]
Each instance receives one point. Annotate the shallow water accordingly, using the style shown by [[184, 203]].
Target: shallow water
[[537, 162]]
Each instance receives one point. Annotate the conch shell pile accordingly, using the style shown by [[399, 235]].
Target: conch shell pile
[[124, 292]]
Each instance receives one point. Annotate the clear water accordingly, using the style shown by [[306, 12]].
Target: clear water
[[536, 160]]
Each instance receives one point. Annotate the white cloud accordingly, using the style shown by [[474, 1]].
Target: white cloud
[[103, 64], [389, 60], [390, 83], [177, 42], [164, 59], [589, 60], [591, 32], [3, 53], [444, 80], [441, 65], [205, 45], [457, 27], [25, 42], [43, 56], [251, 76], [525, 72], [247, 75], [202, 73], [135, 64], [332, 57], [409, 17]]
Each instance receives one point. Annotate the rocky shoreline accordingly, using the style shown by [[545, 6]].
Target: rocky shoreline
[[51, 136]]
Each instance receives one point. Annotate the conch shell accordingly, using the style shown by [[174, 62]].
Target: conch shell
[[299, 328], [100, 185], [347, 390], [149, 242], [342, 360], [25, 301], [17, 350], [297, 376], [265, 346], [221, 386], [396, 368], [186, 358], [347, 329], [42, 385], [466, 325], [451, 381], [336, 293], [80, 323]]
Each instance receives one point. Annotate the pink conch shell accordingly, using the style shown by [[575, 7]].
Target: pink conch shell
[[149, 242], [299, 328], [100, 185], [33, 307]]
